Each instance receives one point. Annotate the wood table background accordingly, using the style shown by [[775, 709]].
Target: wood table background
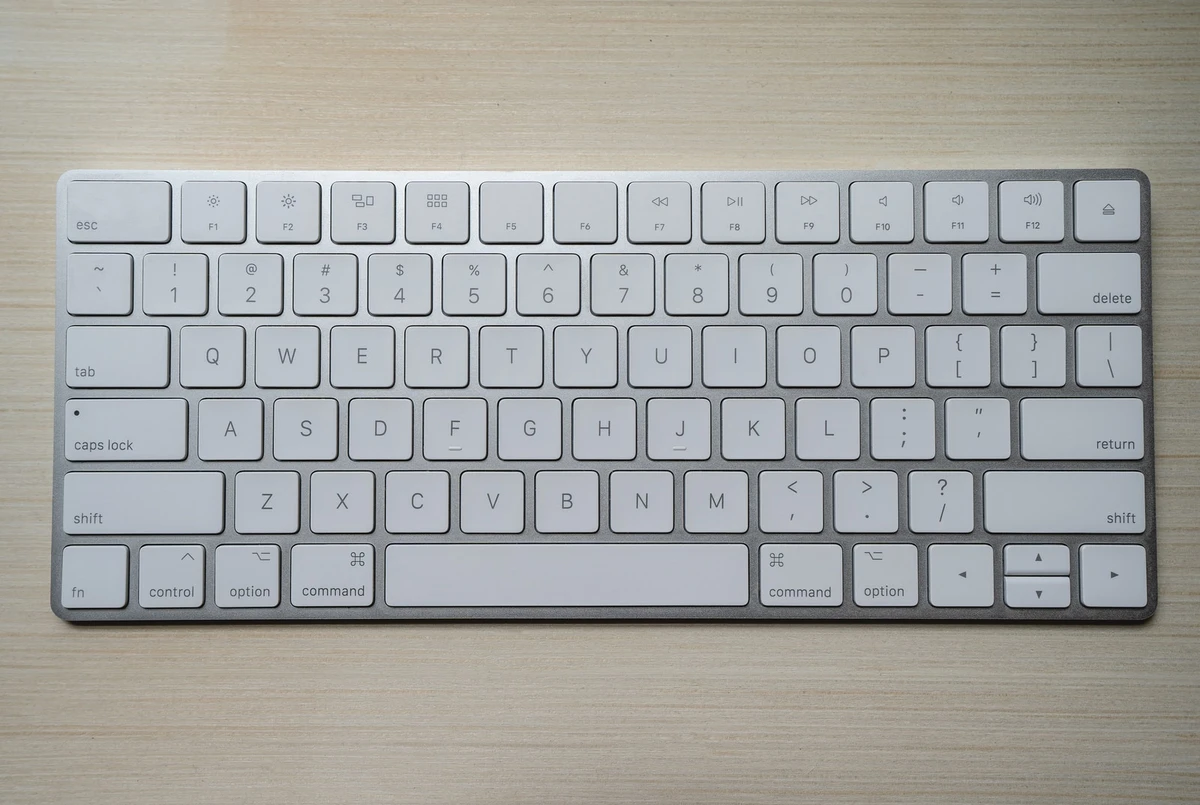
[[525, 713]]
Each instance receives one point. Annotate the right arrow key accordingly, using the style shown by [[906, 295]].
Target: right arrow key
[[1112, 576]]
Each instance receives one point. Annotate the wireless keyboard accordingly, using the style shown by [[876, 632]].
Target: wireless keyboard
[[725, 395]]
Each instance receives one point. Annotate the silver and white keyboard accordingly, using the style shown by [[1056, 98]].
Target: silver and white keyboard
[[723, 395]]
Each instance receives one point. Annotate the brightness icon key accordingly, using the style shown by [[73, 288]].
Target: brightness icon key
[[214, 212], [288, 212]]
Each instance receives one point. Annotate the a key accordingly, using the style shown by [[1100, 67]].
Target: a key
[[118, 212], [95, 577], [1064, 502], [288, 212], [865, 502], [325, 285], [958, 356], [790, 502], [247, 576], [715, 502], [697, 284], [510, 212], [143, 503], [99, 284], [641, 502], [399, 285], [230, 429], [622, 284], [492, 503], [961, 575], [941, 502], [1031, 212], [212, 357], [362, 212], [437, 212], [604, 429], [885, 575], [214, 212], [881, 212], [287, 357], [171, 576], [333, 575], [827, 429], [1082, 428], [362, 357], [733, 212], [734, 357], [1112, 576], [585, 357], [660, 357], [807, 212], [585, 212], [1108, 211], [510, 357], [770, 284], [417, 503], [678, 429], [1089, 283], [956, 212], [919, 284], [809, 357], [752, 429], [341, 502], [882, 357], [381, 429], [994, 283], [455, 429], [567, 502], [1108, 356], [978, 428], [1033, 356], [529, 429], [175, 284], [250, 285], [435, 357], [266, 503], [117, 357], [548, 284], [808, 575], [660, 212], [902, 428], [125, 430], [305, 429], [845, 284], [474, 285]]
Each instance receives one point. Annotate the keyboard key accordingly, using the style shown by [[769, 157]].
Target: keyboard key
[[289, 212], [678, 429], [175, 284], [622, 284], [807, 212], [770, 284], [212, 357], [1112, 576], [604, 429], [752, 429], [95, 577], [214, 212], [548, 284], [266, 503], [733, 212], [881, 212], [958, 356], [1065, 502], [99, 284], [287, 357], [956, 212], [435, 357], [1082, 428], [941, 502], [306, 429], [171, 576], [1108, 211], [118, 212], [716, 502], [417, 503], [827, 429], [1037, 560], [641, 502], [585, 357], [381, 429], [325, 285], [885, 575], [362, 212], [845, 284], [1033, 356], [734, 357], [143, 502], [978, 428], [1023, 592], [333, 575], [341, 502], [1031, 212], [791, 502], [865, 502], [571, 574], [809, 357], [510, 357], [902, 428], [250, 285], [126, 430], [492, 503], [510, 212], [437, 212], [247, 576], [961, 576], [1089, 283], [660, 357], [800, 575], [919, 284], [567, 502], [118, 357], [230, 430], [585, 212], [660, 212], [399, 285], [883, 357], [474, 285], [455, 430], [697, 284], [362, 357], [1108, 356], [994, 283], [529, 430]]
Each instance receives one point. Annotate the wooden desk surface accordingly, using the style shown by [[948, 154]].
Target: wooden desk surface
[[595, 713]]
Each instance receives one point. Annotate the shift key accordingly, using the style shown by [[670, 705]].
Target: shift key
[[143, 502], [118, 357]]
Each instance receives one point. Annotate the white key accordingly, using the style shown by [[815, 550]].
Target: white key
[[474, 285], [143, 503], [325, 285], [492, 503], [510, 212], [585, 357], [734, 357], [175, 284], [961, 576], [845, 284], [1089, 283], [978, 428], [883, 357], [1037, 593], [289, 212], [1108, 211], [770, 284], [171, 576], [808, 357], [287, 357], [716, 502], [641, 502], [790, 502], [362, 357], [697, 284], [266, 502], [1112, 576], [567, 502], [250, 285], [437, 212], [660, 357], [399, 284], [881, 212], [827, 429], [99, 284], [333, 575], [956, 212], [230, 430], [574, 574], [1108, 356], [529, 429], [125, 430], [678, 429], [305, 430], [941, 502], [865, 502], [455, 429], [902, 428], [212, 357], [213, 212], [800, 575], [341, 502], [885, 575], [1031, 212], [381, 429], [118, 357], [807, 212], [995, 283], [604, 429], [752, 429], [919, 284], [247, 576], [417, 503], [362, 212], [1065, 502], [548, 284], [1037, 560], [660, 212], [95, 577], [435, 357], [585, 212], [1082, 428], [118, 212], [958, 356], [733, 212], [1033, 356], [622, 284]]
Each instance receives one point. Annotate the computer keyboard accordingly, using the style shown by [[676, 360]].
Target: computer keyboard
[[288, 395]]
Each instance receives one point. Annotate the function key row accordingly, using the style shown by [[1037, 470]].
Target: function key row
[[587, 212]]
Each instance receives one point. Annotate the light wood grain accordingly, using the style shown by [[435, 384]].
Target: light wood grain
[[595, 713]]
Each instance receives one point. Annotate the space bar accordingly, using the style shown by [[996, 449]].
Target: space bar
[[567, 575]]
